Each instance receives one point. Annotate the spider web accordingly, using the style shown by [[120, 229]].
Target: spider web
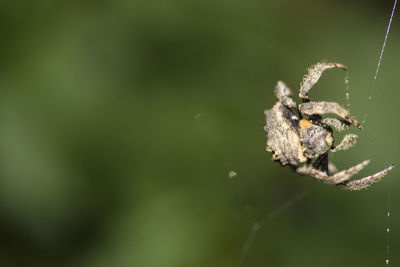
[[347, 88], [257, 225], [370, 97], [388, 229]]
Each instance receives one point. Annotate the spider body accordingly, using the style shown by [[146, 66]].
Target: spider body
[[298, 134]]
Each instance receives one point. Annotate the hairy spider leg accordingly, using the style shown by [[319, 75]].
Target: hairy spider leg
[[348, 141], [313, 75], [367, 181], [320, 108], [339, 125], [342, 178], [283, 93], [332, 168], [336, 178]]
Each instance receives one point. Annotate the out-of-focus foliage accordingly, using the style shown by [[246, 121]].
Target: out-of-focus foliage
[[121, 122]]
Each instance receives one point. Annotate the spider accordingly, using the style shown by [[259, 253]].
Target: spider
[[298, 133]]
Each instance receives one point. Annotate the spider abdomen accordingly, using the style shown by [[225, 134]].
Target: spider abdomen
[[283, 138]]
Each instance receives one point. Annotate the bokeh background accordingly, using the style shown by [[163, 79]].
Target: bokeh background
[[120, 122]]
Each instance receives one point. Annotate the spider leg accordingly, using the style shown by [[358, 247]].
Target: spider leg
[[366, 181], [348, 141], [332, 168], [321, 162], [341, 177], [313, 75], [320, 108], [345, 175], [306, 170], [309, 170], [283, 93], [339, 125]]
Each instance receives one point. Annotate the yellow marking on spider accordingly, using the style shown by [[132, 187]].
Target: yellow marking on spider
[[305, 124]]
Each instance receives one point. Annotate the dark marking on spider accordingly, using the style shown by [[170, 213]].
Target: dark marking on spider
[[298, 133]]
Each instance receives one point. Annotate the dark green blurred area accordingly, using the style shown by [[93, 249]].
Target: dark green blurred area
[[121, 120]]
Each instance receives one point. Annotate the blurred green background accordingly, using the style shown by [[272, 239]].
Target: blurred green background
[[121, 120]]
